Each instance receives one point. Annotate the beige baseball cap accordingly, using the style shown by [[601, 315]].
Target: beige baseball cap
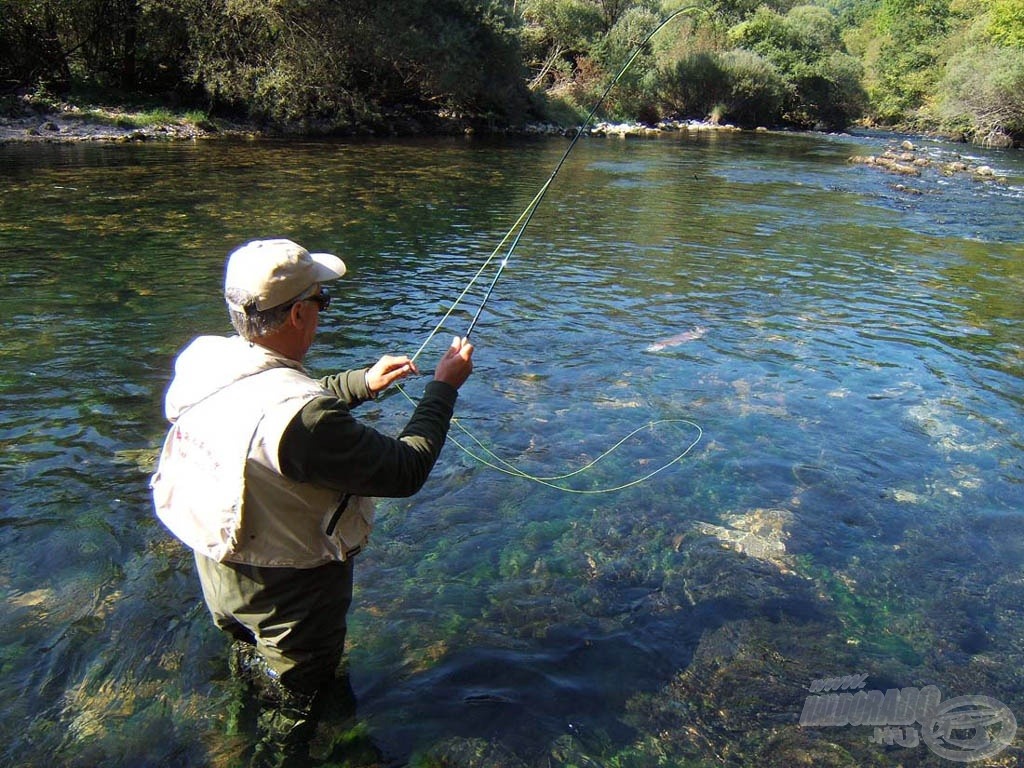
[[272, 272]]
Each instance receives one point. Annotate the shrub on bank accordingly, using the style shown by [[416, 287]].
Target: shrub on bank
[[982, 94]]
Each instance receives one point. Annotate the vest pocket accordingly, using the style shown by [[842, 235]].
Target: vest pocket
[[333, 522]]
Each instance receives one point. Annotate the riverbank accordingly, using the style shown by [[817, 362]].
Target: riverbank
[[70, 124], [67, 124]]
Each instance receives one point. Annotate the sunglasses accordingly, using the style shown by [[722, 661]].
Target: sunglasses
[[322, 299]]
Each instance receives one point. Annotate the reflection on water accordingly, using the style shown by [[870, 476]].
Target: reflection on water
[[853, 507]]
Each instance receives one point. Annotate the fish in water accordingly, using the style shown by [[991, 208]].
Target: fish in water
[[680, 338]]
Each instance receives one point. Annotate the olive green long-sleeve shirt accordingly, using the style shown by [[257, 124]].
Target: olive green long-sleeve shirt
[[326, 445]]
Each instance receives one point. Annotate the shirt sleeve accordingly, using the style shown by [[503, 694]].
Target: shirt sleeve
[[349, 387], [325, 445]]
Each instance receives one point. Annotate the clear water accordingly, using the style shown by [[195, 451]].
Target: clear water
[[855, 361]]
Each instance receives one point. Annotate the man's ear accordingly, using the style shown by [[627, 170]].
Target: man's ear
[[298, 315]]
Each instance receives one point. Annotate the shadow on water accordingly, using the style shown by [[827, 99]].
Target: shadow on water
[[563, 683]]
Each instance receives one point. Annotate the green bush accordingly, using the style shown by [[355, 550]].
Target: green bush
[[740, 86], [693, 86], [907, 67], [325, 64], [1006, 26], [828, 93], [820, 81], [982, 93], [31, 53], [635, 95], [756, 89]]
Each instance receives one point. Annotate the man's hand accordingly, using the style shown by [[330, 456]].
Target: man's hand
[[387, 371], [456, 364]]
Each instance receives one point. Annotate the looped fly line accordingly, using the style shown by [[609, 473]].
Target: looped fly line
[[514, 234]]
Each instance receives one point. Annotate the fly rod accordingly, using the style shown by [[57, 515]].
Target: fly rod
[[527, 215], [515, 233]]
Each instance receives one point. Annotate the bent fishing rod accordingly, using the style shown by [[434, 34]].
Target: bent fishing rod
[[484, 455], [519, 227], [527, 215]]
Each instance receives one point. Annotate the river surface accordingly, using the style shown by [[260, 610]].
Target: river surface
[[810, 373]]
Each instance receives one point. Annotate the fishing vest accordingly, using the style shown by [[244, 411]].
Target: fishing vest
[[218, 486]]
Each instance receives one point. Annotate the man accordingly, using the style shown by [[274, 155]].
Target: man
[[267, 476]]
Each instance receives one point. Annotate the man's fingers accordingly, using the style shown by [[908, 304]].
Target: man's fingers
[[396, 364]]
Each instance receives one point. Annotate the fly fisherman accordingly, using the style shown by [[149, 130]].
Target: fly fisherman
[[267, 476]]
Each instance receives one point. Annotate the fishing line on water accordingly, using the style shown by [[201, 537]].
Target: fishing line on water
[[484, 455], [501, 465]]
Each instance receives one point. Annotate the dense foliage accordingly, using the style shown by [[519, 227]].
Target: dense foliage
[[345, 63], [313, 62]]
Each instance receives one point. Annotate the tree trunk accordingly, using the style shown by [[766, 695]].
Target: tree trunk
[[129, 43]]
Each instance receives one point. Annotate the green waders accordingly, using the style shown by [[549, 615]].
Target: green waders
[[289, 628]]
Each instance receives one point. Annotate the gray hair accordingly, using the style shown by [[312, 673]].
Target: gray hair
[[252, 323]]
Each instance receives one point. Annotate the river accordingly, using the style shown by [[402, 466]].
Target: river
[[809, 374]]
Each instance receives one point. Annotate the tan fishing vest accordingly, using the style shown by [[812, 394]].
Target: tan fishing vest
[[219, 488]]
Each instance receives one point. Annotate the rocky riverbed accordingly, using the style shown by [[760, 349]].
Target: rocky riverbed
[[911, 161]]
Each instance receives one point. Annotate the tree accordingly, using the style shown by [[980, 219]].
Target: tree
[[465, 55], [556, 34], [983, 93], [1007, 23], [815, 30], [822, 82], [739, 85], [32, 49], [695, 85], [757, 91], [635, 95], [315, 60], [130, 46], [830, 94], [732, 12], [911, 33]]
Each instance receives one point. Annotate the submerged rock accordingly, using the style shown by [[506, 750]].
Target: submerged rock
[[144, 459], [888, 163], [905, 160], [760, 533]]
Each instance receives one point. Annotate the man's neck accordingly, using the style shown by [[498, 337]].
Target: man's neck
[[283, 345]]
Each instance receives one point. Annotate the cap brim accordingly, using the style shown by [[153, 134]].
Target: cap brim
[[328, 267]]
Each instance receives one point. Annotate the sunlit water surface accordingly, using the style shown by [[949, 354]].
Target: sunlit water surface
[[851, 369]]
